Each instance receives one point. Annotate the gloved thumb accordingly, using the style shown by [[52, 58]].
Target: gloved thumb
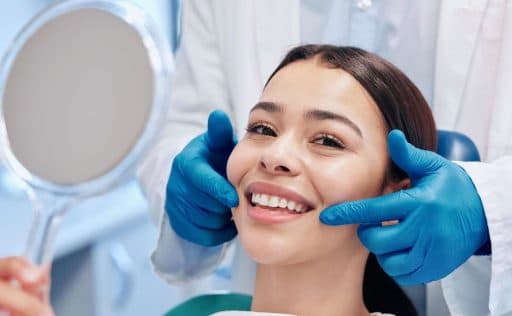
[[220, 134], [414, 161]]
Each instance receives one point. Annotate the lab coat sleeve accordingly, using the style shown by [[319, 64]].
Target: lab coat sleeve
[[198, 87], [485, 277]]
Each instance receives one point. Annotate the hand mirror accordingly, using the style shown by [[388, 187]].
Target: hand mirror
[[83, 91]]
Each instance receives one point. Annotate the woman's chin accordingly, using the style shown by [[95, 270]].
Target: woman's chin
[[275, 250]]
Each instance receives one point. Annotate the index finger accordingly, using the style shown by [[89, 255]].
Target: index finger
[[204, 178], [18, 268], [219, 135], [370, 211]]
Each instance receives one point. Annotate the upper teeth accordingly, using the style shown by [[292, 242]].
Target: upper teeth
[[276, 201]]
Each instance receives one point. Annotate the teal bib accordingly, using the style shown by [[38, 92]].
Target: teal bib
[[212, 303]]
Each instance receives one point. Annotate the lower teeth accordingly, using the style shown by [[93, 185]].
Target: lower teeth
[[278, 208]]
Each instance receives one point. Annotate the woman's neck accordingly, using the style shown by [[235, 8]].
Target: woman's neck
[[324, 286]]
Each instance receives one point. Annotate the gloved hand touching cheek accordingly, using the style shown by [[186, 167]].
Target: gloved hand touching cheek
[[441, 217], [199, 197]]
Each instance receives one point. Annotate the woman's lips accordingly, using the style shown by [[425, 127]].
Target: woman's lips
[[273, 215], [269, 215], [272, 189]]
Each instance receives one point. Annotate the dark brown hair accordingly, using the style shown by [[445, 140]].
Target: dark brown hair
[[403, 107]]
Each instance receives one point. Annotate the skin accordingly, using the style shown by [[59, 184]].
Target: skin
[[24, 288], [303, 264]]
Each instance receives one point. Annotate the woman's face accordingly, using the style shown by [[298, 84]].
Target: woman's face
[[316, 138]]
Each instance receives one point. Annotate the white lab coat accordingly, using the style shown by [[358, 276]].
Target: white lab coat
[[230, 47]]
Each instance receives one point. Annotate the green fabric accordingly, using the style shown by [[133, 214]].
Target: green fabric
[[212, 303]]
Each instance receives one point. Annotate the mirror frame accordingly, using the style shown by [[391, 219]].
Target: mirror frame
[[161, 61]]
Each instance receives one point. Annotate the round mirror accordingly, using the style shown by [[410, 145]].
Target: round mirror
[[83, 92]]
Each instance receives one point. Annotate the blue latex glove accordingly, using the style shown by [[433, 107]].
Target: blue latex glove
[[442, 221], [199, 196]]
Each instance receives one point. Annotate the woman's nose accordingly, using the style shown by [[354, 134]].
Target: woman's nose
[[280, 158], [274, 167]]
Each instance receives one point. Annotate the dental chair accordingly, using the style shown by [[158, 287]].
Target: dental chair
[[428, 300], [456, 146]]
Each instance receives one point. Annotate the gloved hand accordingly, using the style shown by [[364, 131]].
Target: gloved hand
[[441, 217], [199, 197]]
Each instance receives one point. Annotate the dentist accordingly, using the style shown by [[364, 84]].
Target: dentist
[[454, 219]]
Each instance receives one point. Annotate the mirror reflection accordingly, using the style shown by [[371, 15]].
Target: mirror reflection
[[78, 96]]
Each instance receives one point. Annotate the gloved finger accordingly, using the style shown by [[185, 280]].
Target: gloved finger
[[414, 161], [404, 262], [205, 179], [204, 219], [371, 211], [219, 136], [424, 273], [413, 278], [202, 236], [381, 240], [196, 213], [207, 202]]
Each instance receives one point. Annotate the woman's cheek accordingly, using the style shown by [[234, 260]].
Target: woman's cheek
[[234, 166], [343, 181], [230, 172]]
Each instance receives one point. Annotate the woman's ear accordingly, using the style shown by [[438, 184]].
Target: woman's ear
[[393, 186]]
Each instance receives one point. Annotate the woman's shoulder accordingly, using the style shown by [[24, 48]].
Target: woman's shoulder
[[381, 314]]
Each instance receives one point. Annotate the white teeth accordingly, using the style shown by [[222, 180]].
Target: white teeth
[[264, 199], [275, 201]]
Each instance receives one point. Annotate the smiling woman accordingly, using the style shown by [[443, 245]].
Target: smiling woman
[[318, 137]]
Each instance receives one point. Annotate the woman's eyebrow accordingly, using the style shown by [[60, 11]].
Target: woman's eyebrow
[[268, 106], [320, 115], [317, 115]]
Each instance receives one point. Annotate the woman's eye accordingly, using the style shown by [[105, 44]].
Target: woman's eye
[[261, 129], [329, 141]]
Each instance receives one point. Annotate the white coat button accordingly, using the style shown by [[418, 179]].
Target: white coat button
[[364, 4]]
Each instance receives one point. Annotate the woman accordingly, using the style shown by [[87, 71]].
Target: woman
[[318, 137]]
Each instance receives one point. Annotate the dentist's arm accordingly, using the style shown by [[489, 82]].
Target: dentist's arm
[[197, 221], [442, 220], [199, 87]]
